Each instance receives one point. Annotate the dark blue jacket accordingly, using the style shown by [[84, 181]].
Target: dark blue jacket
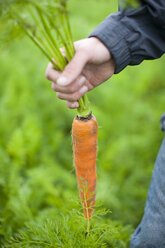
[[133, 35]]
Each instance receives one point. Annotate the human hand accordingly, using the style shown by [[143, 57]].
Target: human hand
[[91, 66]]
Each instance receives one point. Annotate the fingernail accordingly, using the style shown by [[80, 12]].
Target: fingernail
[[62, 81], [75, 105], [81, 81], [83, 90]]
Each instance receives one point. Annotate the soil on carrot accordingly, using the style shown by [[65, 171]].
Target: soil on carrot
[[87, 118]]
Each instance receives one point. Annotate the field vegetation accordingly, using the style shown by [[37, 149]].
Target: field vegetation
[[39, 203]]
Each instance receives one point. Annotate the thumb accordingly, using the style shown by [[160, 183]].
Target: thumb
[[73, 69]]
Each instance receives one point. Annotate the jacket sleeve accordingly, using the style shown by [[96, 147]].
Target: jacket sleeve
[[133, 35]]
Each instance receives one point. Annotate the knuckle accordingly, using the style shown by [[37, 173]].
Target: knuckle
[[70, 106], [75, 97], [69, 70], [54, 87], [58, 95], [48, 74], [72, 89]]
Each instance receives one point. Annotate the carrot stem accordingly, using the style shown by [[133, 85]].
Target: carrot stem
[[84, 109], [51, 40], [36, 42]]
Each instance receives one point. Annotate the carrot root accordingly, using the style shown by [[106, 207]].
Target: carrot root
[[84, 135]]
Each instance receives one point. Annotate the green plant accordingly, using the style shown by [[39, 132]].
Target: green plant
[[129, 3], [69, 231]]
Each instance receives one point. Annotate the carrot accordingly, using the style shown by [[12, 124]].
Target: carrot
[[84, 135]]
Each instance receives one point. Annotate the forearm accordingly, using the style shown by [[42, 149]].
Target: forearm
[[134, 35]]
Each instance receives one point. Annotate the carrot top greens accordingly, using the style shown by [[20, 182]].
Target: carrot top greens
[[46, 23]]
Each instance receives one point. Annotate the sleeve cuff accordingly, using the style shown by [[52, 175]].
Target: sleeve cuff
[[113, 35]]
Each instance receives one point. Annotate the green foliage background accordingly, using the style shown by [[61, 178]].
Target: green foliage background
[[38, 194]]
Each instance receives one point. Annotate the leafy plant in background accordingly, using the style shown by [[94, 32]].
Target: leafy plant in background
[[129, 3], [37, 181]]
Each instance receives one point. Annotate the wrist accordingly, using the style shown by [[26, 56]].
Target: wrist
[[99, 52]]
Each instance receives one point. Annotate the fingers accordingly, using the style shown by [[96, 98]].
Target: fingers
[[70, 84], [72, 92], [72, 105], [73, 97], [73, 69], [69, 78], [71, 88], [51, 74]]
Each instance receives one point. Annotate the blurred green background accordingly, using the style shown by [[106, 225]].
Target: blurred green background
[[36, 163]]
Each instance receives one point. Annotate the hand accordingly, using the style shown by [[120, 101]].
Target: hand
[[91, 66]]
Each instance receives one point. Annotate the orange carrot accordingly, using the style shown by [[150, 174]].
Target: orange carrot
[[84, 135]]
